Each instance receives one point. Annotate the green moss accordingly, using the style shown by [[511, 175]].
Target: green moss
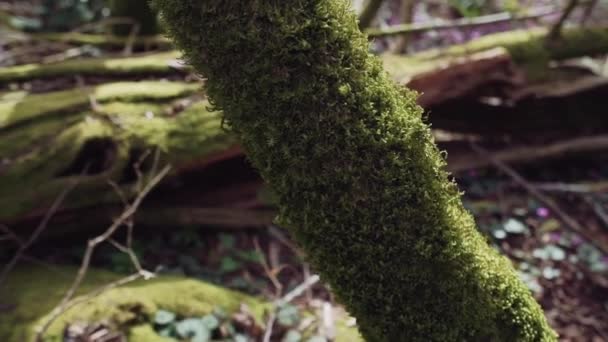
[[359, 180], [19, 107], [36, 290], [102, 40], [147, 64], [41, 151], [139, 11], [528, 48]]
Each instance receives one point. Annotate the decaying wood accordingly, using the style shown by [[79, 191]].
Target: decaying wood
[[463, 75], [527, 154]]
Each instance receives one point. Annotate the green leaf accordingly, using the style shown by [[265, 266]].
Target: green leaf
[[164, 317], [317, 339], [250, 255], [229, 264], [227, 241], [194, 329], [514, 226], [288, 315], [211, 322], [292, 336], [240, 338]]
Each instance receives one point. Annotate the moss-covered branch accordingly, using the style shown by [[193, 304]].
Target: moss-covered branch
[[48, 138], [358, 177], [527, 48], [101, 40], [162, 63], [36, 290]]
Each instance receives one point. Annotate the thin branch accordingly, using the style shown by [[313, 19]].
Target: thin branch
[[588, 11], [434, 25], [10, 235], [269, 325], [369, 13], [581, 188], [570, 223], [534, 153], [309, 282], [126, 215], [270, 273], [39, 229], [556, 30]]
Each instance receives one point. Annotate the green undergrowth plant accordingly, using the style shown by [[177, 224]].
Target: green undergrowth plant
[[357, 175]]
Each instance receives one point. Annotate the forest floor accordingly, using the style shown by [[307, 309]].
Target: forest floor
[[549, 216]]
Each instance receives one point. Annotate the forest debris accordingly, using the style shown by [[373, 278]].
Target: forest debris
[[520, 155], [570, 222]]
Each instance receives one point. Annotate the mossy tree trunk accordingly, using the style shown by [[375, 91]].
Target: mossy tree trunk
[[358, 177]]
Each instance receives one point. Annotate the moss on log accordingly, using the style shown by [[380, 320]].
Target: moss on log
[[358, 178], [34, 292], [162, 63], [48, 138], [101, 40], [528, 49]]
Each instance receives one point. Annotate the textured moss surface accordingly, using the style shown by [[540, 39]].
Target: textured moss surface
[[102, 40], [149, 64], [528, 48], [34, 291], [44, 135], [359, 179]]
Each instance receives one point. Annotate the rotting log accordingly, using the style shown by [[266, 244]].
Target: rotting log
[[101, 40], [50, 140], [151, 64], [32, 291], [527, 48]]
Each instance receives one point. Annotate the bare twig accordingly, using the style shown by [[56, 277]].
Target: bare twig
[[328, 326], [10, 235], [308, 282], [570, 223], [533, 153], [582, 188], [39, 229], [369, 13], [461, 23], [126, 215], [598, 209], [556, 30], [588, 11], [270, 273], [406, 14], [269, 325]]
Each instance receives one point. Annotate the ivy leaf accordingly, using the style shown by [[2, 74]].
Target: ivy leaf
[[229, 264], [240, 338], [514, 226], [227, 241], [193, 329], [288, 315], [164, 317], [211, 322], [292, 336], [317, 339]]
